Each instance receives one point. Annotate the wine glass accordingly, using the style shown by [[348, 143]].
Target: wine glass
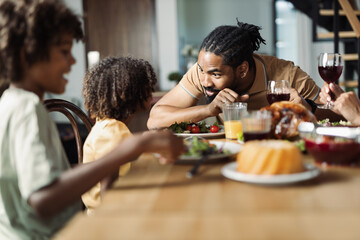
[[330, 67], [278, 90]]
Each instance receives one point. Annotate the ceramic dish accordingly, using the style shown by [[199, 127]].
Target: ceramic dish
[[229, 171], [233, 148], [221, 133]]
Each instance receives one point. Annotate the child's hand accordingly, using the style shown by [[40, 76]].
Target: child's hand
[[165, 143]]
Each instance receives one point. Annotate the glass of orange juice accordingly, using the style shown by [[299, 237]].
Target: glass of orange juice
[[232, 119]]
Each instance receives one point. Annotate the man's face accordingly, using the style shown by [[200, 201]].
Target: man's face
[[214, 75]]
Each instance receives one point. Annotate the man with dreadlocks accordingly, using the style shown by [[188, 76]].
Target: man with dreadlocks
[[228, 70]]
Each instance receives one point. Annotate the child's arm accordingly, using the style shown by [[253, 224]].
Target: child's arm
[[107, 182], [69, 187]]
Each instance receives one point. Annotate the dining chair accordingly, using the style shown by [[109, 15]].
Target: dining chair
[[72, 112]]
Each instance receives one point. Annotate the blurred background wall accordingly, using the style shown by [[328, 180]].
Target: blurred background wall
[[160, 31]]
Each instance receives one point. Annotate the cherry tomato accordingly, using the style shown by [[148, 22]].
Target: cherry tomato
[[195, 129], [188, 128], [214, 129]]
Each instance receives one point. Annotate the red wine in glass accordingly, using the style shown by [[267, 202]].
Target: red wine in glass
[[248, 136], [330, 73], [330, 67], [278, 90], [277, 97], [256, 125]]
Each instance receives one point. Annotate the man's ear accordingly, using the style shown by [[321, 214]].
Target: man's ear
[[242, 70]]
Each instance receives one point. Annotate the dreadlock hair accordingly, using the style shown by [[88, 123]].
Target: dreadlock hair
[[32, 26], [117, 86], [234, 44]]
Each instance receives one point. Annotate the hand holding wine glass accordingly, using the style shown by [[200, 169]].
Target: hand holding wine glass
[[278, 90], [330, 67]]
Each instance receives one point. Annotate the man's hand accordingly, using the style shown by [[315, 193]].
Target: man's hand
[[224, 96]]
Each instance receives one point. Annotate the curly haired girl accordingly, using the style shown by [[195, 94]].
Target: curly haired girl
[[114, 91]]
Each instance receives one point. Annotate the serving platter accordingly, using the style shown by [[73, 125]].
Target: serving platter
[[229, 171], [219, 134]]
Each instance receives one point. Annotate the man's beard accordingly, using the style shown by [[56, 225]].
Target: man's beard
[[209, 99]]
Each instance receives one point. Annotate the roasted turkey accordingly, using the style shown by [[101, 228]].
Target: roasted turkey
[[286, 116]]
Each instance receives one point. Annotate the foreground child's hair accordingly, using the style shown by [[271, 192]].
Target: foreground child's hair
[[117, 87], [31, 27]]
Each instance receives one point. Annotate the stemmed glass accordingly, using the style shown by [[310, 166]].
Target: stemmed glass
[[330, 67], [278, 90]]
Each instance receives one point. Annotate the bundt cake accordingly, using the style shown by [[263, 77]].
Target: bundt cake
[[269, 157]]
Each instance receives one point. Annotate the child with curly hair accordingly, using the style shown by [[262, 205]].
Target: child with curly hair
[[114, 91], [39, 191]]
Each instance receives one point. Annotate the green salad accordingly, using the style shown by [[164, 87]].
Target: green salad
[[197, 147], [326, 123]]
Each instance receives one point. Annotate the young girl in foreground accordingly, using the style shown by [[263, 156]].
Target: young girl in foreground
[[114, 91], [39, 192]]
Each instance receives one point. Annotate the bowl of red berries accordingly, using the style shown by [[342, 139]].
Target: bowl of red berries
[[332, 150]]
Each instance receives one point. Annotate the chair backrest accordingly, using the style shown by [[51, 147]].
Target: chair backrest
[[69, 110]]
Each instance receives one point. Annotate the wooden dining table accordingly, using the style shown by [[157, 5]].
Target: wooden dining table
[[156, 201]]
